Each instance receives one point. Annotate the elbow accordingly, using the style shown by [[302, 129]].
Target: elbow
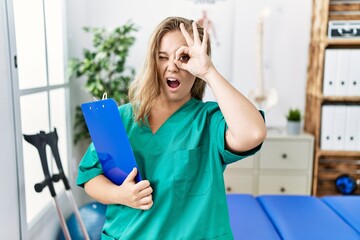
[[255, 137], [261, 133], [256, 132], [245, 142]]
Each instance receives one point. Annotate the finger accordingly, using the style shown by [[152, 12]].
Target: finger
[[142, 185], [146, 200], [179, 64], [186, 35], [146, 192], [205, 39], [147, 206], [131, 176], [179, 54], [196, 34], [181, 51]]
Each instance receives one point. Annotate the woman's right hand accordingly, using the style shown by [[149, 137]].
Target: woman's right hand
[[135, 195], [129, 193]]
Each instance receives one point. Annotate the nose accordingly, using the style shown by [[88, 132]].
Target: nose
[[172, 66]]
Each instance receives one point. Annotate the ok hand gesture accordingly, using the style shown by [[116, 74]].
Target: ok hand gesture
[[198, 62]]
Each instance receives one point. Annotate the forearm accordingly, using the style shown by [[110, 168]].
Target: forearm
[[102, 190], [246, 127], [135, 195]]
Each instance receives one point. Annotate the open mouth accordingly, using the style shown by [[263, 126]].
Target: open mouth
[[172, 82]]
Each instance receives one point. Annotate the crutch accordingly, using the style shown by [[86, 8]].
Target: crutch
[[40, 141], [40, 144], [51, 139]]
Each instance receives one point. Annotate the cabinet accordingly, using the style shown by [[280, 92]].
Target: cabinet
[[282, 166], [336, 161]]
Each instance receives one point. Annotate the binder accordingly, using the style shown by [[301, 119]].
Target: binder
[[344, 29], [358, 129], [352, 128], [330, 72], [339, 127], [327, 126], [111, 143], [353, 88], [342, 72]]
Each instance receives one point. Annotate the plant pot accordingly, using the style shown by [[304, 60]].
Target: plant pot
[[293, 127]]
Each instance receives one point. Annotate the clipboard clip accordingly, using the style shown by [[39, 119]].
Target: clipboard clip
[[104, 96]]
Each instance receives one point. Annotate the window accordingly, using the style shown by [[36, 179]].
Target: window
[[42, 90]]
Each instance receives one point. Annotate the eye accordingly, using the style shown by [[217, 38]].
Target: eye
[[184, 58], [162, 58]]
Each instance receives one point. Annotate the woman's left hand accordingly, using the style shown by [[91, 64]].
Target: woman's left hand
[[193, 57]]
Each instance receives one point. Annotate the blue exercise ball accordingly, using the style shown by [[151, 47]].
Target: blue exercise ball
[[345, 184], [93, 216]]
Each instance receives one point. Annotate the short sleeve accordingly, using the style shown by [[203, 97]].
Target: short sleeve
[[89, 166], [218, 124]]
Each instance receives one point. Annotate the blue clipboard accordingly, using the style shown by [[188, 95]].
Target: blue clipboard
[[111, 143]]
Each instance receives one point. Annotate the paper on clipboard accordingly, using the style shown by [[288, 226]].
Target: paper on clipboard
[[108, 134]]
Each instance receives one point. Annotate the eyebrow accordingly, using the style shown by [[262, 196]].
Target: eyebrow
[[160, 52]]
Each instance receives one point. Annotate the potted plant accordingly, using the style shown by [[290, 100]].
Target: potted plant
[[293, 121], [104, 69]]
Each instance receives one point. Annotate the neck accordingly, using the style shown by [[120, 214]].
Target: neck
[[171, 106]]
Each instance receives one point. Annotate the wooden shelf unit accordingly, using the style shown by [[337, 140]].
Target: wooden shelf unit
[[328, 164]]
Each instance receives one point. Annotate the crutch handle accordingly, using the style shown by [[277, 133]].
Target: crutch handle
[[41, 185], [61, 176], [40, 144], [56, 177], [51, 139]]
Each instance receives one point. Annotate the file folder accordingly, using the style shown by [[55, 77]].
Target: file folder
[[110, 140], [352, 128], [339, 127], [354, 74], [330, 70], [342, 74], [327, 127]]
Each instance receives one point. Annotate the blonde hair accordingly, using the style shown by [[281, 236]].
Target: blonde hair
[[146, 86]]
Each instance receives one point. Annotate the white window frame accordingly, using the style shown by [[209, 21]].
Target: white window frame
[[46, 224]]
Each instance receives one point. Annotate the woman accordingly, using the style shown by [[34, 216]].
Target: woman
[[181, 144]]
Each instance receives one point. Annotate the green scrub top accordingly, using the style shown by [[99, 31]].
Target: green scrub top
[[184, 162]]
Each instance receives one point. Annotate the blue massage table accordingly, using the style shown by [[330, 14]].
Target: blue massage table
[[348, 208], [292, 217]]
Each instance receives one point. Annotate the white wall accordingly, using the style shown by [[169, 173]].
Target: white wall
[[286, 40], [287, 34]]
